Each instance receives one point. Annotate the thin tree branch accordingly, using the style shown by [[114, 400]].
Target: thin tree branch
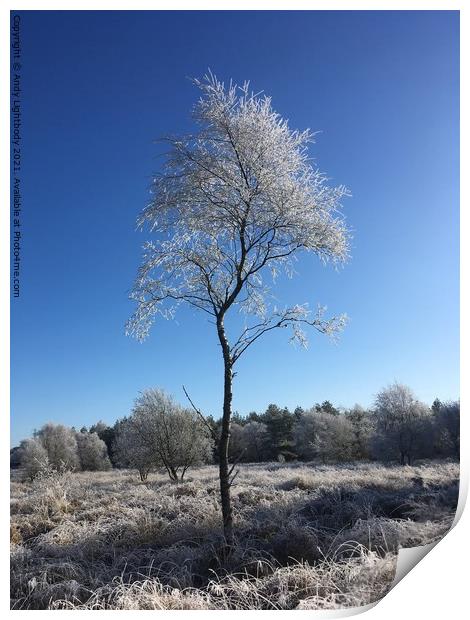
[[206, 423]]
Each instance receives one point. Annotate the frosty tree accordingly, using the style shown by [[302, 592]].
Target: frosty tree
[[235, 202], [161, 433], [130, 451], [402, 421]]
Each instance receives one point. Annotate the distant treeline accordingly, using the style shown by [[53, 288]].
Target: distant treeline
[[161, 433]]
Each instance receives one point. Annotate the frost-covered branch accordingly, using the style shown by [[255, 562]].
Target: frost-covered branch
[[291, 317], [235, 199]]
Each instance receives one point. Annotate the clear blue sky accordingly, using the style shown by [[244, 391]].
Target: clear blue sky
[[99, 87]]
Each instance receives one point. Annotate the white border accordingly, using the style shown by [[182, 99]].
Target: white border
[[439, 585]]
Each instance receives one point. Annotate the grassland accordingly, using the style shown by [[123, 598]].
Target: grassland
[[308, 536]]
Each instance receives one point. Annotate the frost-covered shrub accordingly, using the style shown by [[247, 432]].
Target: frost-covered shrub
[[92, 452], [60, 444], [33, 457], [324, 436]]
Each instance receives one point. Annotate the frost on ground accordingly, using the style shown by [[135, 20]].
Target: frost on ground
[[308, 536]]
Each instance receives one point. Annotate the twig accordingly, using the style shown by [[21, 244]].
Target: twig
[[233, 477], [234, 464], [206, 423]]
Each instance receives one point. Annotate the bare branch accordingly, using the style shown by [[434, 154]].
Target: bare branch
[[198, 411], [232, 479]]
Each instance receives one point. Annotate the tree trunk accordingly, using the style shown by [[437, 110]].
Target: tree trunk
[[173, 474], [225, 437]]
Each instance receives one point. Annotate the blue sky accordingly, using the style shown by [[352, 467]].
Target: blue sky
[[381, 87]]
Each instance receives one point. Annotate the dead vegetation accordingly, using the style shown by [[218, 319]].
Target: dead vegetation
[[307, 536]]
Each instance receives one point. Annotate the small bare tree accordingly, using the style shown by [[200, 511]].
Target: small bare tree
[[235, 199], [175, 437]]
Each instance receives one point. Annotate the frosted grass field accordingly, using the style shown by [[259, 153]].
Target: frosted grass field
[[307, 536]]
